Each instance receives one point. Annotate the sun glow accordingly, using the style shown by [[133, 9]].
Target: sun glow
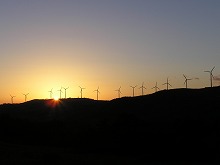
[[56, 98]]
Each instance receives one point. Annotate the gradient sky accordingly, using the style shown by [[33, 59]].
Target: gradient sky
[[47, 44]]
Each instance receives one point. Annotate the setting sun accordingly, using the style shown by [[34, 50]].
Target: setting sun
[[56, 98]]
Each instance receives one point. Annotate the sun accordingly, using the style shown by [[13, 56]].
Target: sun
[[56, 98]]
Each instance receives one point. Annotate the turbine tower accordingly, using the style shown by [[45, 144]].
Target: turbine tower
[[97, 91], [81, 89], [186, 80], [119, 91], [133, 89], [60, 92], [156, 87], [65, 91], [12, 97], [211, 75], [168, 84], [51, 93], [142, 88], [25, 97]]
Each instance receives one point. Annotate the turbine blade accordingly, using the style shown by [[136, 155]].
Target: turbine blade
[[213, 68]]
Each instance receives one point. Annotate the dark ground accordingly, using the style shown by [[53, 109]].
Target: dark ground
[[179, 126]]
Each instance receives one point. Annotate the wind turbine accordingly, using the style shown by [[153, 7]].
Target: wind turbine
[[119, 91], [97, 90], [186, 80], [81, 89], [156, 87], [51, 93], [60, 91], [25, 97], [211, 75], [65, 91], [142, 88], [133, 89], [12, 98], [168, 84]]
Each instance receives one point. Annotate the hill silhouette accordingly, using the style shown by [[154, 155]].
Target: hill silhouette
[[169, 125]]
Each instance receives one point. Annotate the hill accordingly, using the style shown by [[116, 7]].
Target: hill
[[169, 125]]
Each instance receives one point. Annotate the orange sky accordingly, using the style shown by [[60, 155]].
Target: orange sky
[[49, 44]]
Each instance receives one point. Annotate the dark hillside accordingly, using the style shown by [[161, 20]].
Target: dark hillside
[[178, 124]]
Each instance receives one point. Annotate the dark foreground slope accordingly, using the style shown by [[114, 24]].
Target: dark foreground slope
[[174, 125]]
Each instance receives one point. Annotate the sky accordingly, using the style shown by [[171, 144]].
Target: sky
[[49, 44]]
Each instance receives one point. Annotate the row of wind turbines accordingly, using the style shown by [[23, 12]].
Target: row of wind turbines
[[119, 89], [25, 98], [142, 86], [81, 92]]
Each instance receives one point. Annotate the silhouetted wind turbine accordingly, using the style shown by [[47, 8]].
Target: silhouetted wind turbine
[[81, 89], [211, 75], [12, 98], [60, 91], [51, 93], [65, 91], [119, 91], [142, 88], [25, 97], [168, 84], [97, 91], [133, 89], [156, 87], [186, 80]]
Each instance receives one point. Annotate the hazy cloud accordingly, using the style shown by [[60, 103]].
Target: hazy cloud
[[216, 78]]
